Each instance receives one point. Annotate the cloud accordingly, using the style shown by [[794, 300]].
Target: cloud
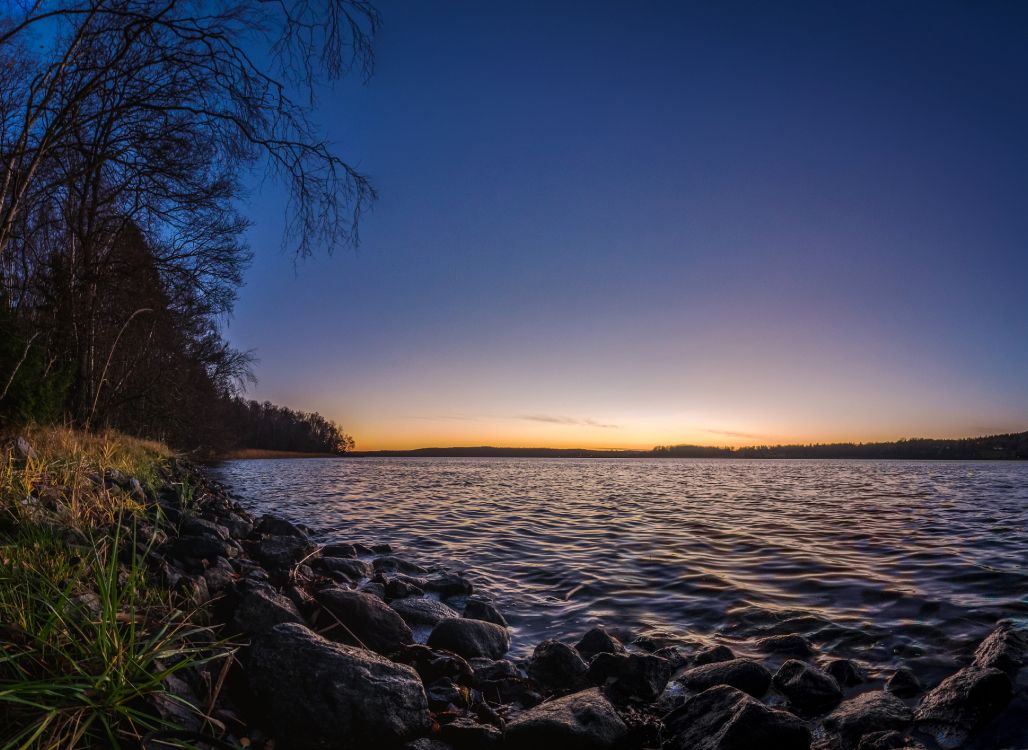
[[730, 433], [552, 419]]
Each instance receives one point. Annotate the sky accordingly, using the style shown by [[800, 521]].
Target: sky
[[626, 224]]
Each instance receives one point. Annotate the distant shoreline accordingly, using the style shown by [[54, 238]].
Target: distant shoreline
[[1009, 447]]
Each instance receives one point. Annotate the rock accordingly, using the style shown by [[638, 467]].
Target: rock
[[470, 638], [220, 576], [192, 591], [723, 718], [868, 712], [238, 527], [712, 655], [673, 656], [963, 703], [392, 564], [465, 734], [194, 526], [192, 548], [448, 585], [598, 641], [845, 671], [790, 645], [557, 667], [338, 550], [135, 490], [281, 552], [422, 611], [401, 588], [350, 568], [745, 674], [274, 526], [1003, 649], [432, 665], [376, 625], [318, 694], [889, 740], [580, 721], [487, 669], [425, 743], [444, 693], [903, 683], [808, 689], [382, 549], [625, 677], [478, 609], [262, 608], [23, 451]]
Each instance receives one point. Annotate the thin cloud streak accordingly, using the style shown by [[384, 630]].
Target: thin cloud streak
[[552, 419], [730, 433]]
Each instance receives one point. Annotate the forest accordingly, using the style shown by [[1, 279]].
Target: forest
[[130, 132]]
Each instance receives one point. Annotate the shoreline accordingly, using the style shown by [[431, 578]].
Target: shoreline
[[254, 454], [326, 655]]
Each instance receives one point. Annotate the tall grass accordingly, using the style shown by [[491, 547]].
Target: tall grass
[[87, 639]]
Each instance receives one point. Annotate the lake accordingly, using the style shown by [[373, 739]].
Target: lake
[[888, 562]]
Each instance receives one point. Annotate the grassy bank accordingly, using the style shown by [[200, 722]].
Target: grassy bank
[[90, 641]]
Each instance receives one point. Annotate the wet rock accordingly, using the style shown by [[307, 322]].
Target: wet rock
[[903, 683], [889, 740], [448, 585], [238, 527], [262, 608], [194, 526], [444, 693], [791, 645], [274, 526], [317, 693], [557, 667], [580, 721], [673, 656], [374, 588], [631, 677], [374, 624], [963, 703], [470, 638], [281, 552], [425, 743], [479, 609], [433, 665], [1004, 649], [808, 689], [845, 671], [598, 641], [382, 549], [338, 550], [745, 674], [868, 712], [351, 569], [712, 655], [191, 548], [401, 588], [392, 564], [723, 718], [466, 734], [488, 669], [422, 611]]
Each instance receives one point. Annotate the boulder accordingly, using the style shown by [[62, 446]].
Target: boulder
[[470, 638], [712, 655], [903, 683], [373, 623], [790, 645], [339, 550], [479, 609], [433, 665], [262, 608], [598, 641], [723, 718], [580, 721], [963, 703], [745, 674], [350, 568], [808, 689], [631, 677], [888, 740], [270, 525], [193, 548], [401, 587], [393, 564], [845, 671], [467, 734], [281, 552], [557, 668], [195, 526], [320, 695], [422, 611], [1004, 649], [868, 712], [448, 585]]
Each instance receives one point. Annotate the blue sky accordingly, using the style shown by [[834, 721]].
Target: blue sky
[[621, 224]]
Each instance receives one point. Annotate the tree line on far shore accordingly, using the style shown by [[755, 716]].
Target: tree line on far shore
[[127, 130]]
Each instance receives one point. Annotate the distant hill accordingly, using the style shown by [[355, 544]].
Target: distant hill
[[1009, 447]]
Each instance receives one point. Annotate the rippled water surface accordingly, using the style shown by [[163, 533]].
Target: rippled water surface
[[888, 562]]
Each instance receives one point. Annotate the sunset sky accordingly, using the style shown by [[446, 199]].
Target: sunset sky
[[627, 224]]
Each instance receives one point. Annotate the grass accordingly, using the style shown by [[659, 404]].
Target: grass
[[87, 639]]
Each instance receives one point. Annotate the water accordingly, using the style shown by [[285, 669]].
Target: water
[[887, 562]]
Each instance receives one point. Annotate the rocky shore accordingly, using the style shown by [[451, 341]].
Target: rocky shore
[[352, 646]]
